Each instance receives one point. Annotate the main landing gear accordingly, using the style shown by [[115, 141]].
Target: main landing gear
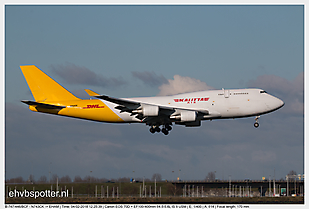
[[154, 129], [165, 130], [256, 124]]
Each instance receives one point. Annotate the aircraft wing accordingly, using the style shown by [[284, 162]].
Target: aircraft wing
[[122, 102], [134, 107]]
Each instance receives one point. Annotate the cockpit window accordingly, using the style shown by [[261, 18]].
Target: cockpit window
[[263, 92]]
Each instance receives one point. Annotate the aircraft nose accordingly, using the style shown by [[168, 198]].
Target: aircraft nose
[[278, 103], [281, 103], [274, 103]]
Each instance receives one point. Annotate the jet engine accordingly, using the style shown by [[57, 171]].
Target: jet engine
[[148, 110], [185, 116]]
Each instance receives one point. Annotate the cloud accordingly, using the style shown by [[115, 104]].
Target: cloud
[[81, 75], [182, 85], [150, 78], [262, 156], [291, 92]]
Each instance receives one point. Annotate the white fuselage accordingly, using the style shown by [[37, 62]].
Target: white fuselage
[[232, 103]]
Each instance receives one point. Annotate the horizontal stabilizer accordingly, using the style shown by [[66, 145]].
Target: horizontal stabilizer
[[43, 105]]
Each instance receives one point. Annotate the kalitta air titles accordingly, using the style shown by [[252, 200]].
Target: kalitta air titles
[[192, 100]]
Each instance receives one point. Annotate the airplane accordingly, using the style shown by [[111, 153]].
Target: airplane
[[187, 109]]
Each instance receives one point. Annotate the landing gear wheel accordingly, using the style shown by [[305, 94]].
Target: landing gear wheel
[[152, 130], [168, 127], [165, 131], [157, 129]]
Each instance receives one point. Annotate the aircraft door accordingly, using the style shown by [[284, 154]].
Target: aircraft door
[[226, 93]]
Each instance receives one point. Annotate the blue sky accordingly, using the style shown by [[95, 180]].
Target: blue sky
[[129, 51]]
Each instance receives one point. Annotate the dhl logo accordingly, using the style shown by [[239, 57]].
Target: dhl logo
[[192, 100], [93, 106]]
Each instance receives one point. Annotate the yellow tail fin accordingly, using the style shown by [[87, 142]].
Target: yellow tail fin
[[44, 88]]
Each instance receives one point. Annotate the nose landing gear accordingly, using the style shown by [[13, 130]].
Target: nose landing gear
[[256, 124]]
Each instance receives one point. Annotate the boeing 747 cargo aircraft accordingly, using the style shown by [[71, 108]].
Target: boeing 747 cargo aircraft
[[187, 109]]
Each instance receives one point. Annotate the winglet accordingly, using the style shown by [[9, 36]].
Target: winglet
[[91, 93]]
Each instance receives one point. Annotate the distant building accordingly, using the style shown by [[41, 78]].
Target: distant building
[[300, 177]]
